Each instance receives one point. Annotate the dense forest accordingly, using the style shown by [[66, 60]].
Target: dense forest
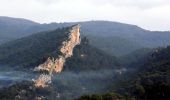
[[151, 81], [117, 39], [87, 66], [114, 61], [28, 52]]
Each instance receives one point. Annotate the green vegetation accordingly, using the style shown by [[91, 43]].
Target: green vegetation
[[24, 90], [32, 50], [150, 80], [153, 81], [28, 52], [114, 45], [136, 58], [107, 96], [112, 37], [87, 57]]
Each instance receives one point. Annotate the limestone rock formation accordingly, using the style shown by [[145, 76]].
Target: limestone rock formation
[[52, 65]]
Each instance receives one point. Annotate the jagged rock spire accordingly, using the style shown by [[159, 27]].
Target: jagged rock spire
[[56, 65]]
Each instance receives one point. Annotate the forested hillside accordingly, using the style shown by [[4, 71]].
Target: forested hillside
[[113, 37], [33, 50], [153, 82]]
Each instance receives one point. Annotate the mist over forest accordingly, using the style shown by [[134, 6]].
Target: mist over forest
[[91, 60]]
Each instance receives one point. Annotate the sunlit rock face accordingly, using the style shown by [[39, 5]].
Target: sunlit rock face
[[74, 39], [52, 65], [43, 80]]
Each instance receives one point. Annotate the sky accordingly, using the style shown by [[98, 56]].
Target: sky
[[149, 14]]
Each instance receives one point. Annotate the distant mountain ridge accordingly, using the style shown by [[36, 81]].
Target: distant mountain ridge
[[12, 28], [17, 20], [135, 36]]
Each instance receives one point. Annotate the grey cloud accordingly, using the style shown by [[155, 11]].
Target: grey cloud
[[150, 14], [143, 4]]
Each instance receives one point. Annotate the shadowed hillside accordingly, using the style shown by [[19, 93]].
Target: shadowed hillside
[[102, 32], [88, 66], [30, 51], [151, 80]]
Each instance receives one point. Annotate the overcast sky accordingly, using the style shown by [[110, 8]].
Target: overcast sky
[[148, 14]]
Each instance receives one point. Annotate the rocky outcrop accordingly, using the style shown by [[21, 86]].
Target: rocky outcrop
[[52, 65]]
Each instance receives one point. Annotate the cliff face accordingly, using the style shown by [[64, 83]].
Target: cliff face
[[52, 65]]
